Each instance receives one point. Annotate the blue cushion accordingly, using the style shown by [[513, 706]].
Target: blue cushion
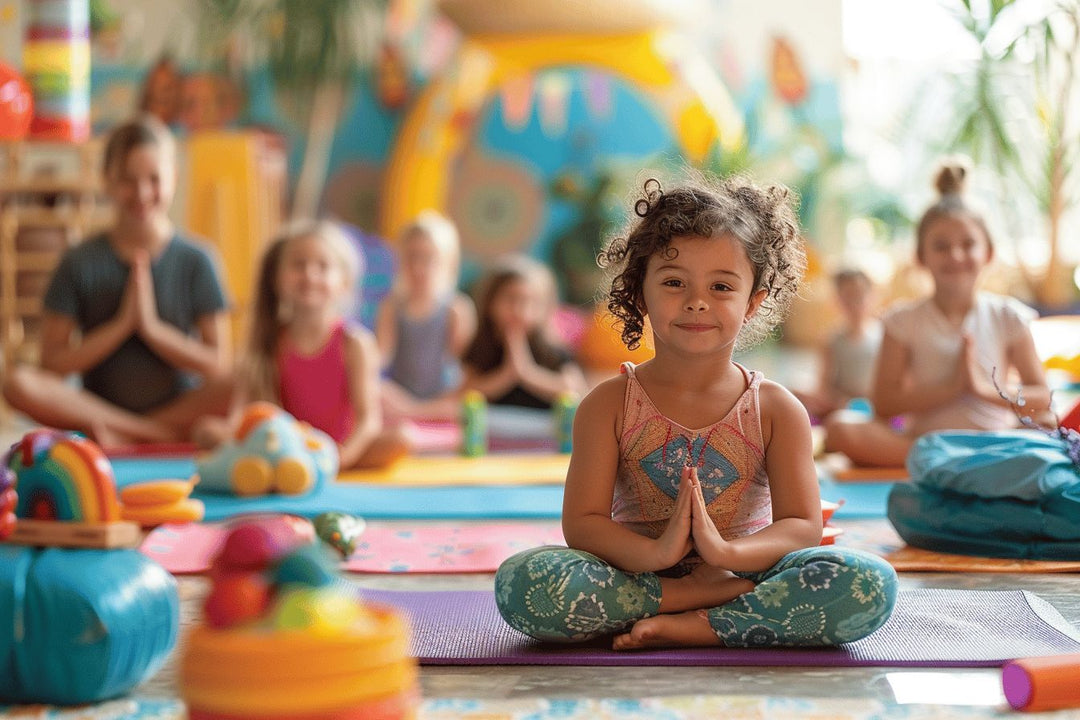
[[1011, 494], [80, 626]]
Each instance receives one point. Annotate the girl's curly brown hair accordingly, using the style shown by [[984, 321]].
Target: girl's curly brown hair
[[762, 219]]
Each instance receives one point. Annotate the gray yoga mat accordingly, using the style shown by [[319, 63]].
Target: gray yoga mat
[[928, 628]]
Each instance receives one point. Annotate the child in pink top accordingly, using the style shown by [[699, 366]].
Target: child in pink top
[[304, 357]]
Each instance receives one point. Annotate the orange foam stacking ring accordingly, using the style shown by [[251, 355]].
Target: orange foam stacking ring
[[181, 511], [251, 672], [156, 492]]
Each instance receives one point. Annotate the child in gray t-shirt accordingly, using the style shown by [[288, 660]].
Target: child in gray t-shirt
[[138, 313]]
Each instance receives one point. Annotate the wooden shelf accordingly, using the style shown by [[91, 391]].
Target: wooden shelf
[[50, 199]]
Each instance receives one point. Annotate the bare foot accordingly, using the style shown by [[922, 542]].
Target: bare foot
[[706, 586], [687, 629]]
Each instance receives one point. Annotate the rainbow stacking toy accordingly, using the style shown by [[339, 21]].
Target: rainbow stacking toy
[[85, 621], [285, 638]]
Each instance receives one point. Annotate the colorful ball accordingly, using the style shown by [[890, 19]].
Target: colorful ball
[[16, 104], [236, 598]]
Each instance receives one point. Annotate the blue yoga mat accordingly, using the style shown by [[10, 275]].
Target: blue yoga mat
[[861, 500], [370, 501]]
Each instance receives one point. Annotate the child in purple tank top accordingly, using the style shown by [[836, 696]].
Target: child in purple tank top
[[691, 509], [425, 323]]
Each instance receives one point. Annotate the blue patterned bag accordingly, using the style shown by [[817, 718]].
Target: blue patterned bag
[[1009, 494]]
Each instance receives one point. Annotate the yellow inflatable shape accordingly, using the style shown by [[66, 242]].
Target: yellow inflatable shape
[[681, 86]]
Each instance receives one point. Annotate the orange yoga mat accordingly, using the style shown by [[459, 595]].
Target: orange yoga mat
[[521, 469], [870, 474], [910, 559]]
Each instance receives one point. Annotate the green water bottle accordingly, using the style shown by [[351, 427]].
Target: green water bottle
[[474, 431], [562, 415]]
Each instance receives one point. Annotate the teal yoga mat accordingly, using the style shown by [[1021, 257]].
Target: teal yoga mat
[[370, 501], [861, 500]]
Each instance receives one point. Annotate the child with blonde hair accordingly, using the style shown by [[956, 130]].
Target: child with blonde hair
[[940, 355], [512, 360], [691, 509], [424, 324], [303, 354]]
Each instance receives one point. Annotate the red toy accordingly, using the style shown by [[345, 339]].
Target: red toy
[[16, 104]]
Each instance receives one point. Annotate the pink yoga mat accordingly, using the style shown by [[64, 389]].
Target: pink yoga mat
[[383, 548]]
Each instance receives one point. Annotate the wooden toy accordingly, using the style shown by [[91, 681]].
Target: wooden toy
[[67, 493]]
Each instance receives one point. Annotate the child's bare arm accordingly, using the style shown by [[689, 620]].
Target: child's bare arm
[[590, 487], [796, 502], [362, 368], [63, 351], [1024, 357], [209, 354]]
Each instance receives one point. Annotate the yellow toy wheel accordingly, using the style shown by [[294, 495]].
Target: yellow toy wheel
[[252, 476], [292, 477]]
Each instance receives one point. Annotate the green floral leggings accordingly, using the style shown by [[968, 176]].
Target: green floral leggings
[[816, 596]]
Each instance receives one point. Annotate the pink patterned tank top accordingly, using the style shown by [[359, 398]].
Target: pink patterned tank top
[[729, 455]]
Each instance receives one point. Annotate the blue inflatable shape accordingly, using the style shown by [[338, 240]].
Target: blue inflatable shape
[[81, 626], [1008, 494]]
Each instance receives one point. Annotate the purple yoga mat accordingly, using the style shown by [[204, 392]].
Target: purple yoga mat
[[931, 628]]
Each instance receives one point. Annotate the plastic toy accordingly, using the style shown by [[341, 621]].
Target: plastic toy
[[8, 500], [56, 60], [340, 531], [67, 493], [87, 621], [271, 452], [474, 430], [286, 637], [161, 501], [16, 104], [1042, 683], [562, 417]]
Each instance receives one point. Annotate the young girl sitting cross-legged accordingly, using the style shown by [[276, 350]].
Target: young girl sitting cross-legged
[[691, 509]]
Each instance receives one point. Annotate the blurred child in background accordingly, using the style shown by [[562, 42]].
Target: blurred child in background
[[847, 361], [424, 324], [512, 360], [303, 355], [940, 355], [138, 312]]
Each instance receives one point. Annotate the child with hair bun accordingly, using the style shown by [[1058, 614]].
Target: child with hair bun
[[941, 355]]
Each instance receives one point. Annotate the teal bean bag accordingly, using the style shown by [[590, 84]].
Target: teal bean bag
[[80, 626], [1007, 494]]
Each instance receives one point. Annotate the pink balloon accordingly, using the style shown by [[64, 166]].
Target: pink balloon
[[16, 104]]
